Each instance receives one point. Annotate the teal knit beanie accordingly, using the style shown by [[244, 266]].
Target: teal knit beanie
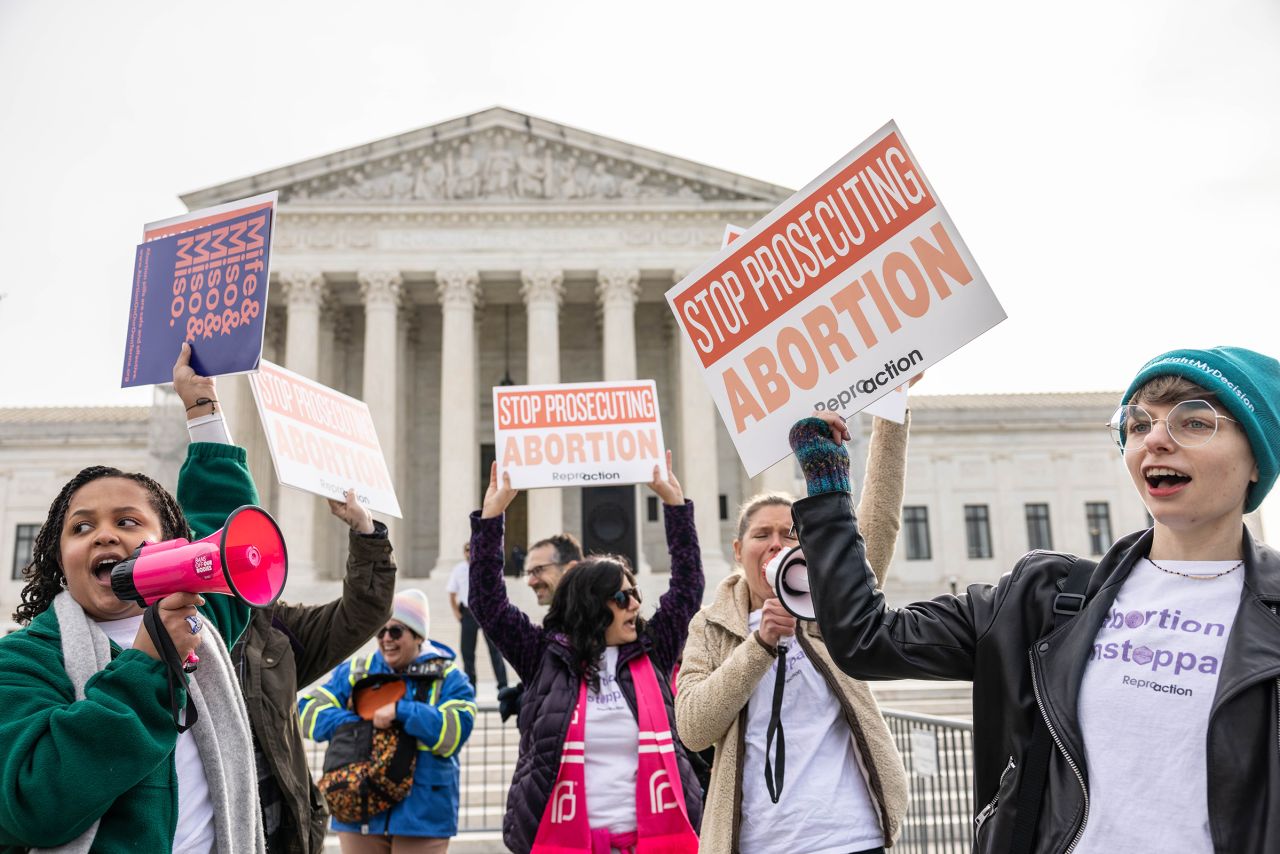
[[1247, 384]]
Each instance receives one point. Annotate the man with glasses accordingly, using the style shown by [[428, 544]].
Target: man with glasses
[[1131, 705], [547, 562]]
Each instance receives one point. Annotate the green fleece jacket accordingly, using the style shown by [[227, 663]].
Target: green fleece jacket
[[65, 763]]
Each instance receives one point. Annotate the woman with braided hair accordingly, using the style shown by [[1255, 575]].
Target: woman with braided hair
[[93, 759]]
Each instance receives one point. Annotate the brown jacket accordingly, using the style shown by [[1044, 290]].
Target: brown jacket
[[723, 664], [287, 647]]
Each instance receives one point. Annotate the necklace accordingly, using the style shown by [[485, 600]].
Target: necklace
[[1196, 577]]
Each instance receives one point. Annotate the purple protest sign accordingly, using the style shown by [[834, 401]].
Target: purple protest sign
[[201, 278]]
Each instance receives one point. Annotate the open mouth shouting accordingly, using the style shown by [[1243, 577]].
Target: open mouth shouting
[[102, 565], [1163, 481]]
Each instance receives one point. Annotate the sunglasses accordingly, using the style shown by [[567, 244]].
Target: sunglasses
[[396, 632], [620, 598]]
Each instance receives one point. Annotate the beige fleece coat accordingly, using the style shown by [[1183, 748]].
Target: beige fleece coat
[[723, 664]]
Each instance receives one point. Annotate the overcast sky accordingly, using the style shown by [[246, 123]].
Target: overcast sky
[[1113, 166]]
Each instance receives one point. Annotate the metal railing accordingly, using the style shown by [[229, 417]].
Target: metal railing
[[937, 753]]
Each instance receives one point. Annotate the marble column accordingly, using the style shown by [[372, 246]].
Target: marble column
[[459, 292], [380, 291], [543, 292], [697, 463], [618, 290], [304, 292]]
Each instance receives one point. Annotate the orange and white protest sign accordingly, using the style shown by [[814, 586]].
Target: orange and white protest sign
[[578, 434], [893, 405], [845, 291], [322, 440]]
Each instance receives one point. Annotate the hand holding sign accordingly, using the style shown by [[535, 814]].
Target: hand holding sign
[[351, 511], [192, 387], [499, 495], [667, 488]]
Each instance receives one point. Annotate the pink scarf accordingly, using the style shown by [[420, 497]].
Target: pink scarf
[[662, 821]]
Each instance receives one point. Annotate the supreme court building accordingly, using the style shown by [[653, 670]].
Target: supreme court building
[[417, 272]]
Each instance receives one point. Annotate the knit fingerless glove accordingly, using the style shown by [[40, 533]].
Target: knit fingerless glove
[[825, 463]]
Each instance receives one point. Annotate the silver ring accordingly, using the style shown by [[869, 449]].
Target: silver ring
[[194, 622]]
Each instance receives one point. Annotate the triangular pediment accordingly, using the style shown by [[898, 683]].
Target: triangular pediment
[[496, 156]]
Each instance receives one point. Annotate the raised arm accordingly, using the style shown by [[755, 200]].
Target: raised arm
[[880, 510], [935, 639], [329, 633], [520, 641], [669, 627]]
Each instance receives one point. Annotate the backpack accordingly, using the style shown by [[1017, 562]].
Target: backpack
[[367, 770]]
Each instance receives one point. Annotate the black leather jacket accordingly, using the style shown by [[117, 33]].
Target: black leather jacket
[[999, 638]]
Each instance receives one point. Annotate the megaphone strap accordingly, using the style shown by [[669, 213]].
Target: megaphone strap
[[174, 673], [773, 776]]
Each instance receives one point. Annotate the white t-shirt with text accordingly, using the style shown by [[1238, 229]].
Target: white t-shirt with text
[[195, 831], [1144, 708], [825, 807], [612, 752]]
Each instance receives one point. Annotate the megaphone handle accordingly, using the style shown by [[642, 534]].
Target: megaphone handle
[[175, 670], [773, 776]]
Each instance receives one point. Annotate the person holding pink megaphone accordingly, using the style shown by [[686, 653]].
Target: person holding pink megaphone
[[106, 747]]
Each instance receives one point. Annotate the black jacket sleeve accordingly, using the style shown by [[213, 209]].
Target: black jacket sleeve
[[935, 639]]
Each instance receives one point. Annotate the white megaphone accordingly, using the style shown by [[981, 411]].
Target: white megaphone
[[788, 575]]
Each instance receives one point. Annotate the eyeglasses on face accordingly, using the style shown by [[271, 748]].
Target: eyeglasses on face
[[396, 632], [620, 598], [1190, 424], [539, 569]]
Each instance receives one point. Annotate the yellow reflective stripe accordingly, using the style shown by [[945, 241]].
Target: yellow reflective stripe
[[461, 705], [360, 669], [333, 698], [451, 727], [435, 691]]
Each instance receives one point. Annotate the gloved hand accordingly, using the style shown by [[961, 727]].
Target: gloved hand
[[825, 463], [509, 699]]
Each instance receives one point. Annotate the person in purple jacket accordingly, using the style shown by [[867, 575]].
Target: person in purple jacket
[[598, 711]]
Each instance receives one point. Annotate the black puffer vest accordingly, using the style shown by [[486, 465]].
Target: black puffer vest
[[548, 704]]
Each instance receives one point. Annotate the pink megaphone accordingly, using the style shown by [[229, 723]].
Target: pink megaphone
[[246, 559]]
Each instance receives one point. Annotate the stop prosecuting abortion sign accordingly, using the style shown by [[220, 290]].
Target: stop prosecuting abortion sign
[[578, 434], [842, 293]]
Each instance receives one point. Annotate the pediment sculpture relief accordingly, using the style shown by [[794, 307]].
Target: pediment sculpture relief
[[499, 166]]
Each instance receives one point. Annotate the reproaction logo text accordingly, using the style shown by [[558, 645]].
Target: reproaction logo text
[[584, 477]]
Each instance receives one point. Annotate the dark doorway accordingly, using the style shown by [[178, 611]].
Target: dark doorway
[[609, 521], [517, 528]]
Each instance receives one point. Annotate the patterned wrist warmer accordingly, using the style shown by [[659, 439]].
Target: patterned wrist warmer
[[825, 463]]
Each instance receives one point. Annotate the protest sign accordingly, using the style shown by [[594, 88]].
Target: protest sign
[[893, 405], [322, 440], [200, 278], [845, 291], [578, 434]]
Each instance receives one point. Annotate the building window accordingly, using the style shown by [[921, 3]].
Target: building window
[[977, 530], [651, 507], [724, 507], [1098, 520], [1039, 534], [916, 520], [23, 543]]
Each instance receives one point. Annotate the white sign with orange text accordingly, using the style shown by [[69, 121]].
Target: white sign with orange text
[[578, 434], [838, 296], [893, 405], [321, 440]]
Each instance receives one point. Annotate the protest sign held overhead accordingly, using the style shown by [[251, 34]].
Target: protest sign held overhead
[[578, 434], [322, 440], [200, 278], [841, 294], [893, 405]]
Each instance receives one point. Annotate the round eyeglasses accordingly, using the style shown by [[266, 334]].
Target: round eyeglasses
[[1191, 424]]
